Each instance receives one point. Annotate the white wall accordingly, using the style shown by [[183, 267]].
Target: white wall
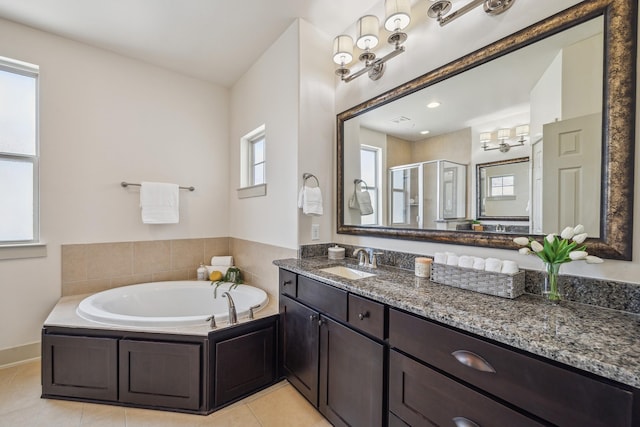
[[424, 53], [105, 118]]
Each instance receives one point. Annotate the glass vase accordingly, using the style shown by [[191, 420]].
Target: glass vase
[[550, 289]]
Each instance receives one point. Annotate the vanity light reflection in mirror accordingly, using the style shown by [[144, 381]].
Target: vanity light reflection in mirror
[[552, 88]]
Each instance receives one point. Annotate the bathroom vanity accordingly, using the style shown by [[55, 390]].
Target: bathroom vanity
[[393, 349]]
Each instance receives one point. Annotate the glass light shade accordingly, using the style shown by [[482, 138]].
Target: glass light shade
[[342, 50], [368, 27], [397, 13], [485, 137], [522, 130], [504, 134]]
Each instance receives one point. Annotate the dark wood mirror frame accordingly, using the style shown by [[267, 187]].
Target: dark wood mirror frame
[[616, 228], [479, 192]]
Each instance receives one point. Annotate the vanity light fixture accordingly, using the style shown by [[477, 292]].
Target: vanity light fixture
[[504, 135], [439, 9], [397, 18]]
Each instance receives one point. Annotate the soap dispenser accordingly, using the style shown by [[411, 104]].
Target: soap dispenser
[[202, 272]]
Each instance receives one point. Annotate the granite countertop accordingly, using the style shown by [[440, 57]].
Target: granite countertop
[[601, 341], [64, 315]]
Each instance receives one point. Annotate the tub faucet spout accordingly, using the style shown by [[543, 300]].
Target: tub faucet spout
[[233, 315]]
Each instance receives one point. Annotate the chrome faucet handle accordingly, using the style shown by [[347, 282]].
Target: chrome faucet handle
[[251, 313], [374, 259], [212, 319]]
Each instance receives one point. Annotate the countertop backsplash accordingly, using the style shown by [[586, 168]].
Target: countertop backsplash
[[602, 293]]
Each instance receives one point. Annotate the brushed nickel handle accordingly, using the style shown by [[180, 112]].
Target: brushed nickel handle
[[251, 311], [472, 360], [286, 282], [313, 317], [464, 422], [363, 316], [322, 322]]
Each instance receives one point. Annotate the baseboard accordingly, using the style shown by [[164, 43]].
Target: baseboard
[[16, 355]]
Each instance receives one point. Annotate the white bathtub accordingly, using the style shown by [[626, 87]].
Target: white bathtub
[[177, 303]]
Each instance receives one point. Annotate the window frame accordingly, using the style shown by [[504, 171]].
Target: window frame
[[247, 188], [28, 70]]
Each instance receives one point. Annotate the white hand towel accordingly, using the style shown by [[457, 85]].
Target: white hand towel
[[159, 203], [453, 260], [465, 261], [222, 260], [509, 267], [310, 200], [364, 202], [440, 258], [493, 264], [478, 263]]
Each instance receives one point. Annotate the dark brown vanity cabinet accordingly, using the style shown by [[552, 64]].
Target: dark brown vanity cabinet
[[337, 368]]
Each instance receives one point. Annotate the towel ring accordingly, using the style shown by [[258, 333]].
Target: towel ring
[[360, 181], [306, 176]]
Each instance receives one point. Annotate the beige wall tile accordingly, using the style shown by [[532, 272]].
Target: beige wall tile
[[116, 282], [106, 260], [152, 256], [74, 265], [85, 287], [217, 246], [187, 253]]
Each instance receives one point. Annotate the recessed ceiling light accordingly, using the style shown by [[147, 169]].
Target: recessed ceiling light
[[433, 104], [424, 132]]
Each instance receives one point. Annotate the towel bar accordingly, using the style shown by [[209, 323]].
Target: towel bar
[[126, 184]]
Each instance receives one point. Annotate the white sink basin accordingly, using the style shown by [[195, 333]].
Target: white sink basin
[[346, 272]]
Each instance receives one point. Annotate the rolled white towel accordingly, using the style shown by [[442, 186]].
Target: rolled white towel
[[222, 260], [478, 263], [509, 267], [465, 261], [453, 260], [493, 264], [440, 258]]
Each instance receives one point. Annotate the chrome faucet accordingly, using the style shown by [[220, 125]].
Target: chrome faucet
[[363, 257], [233, 315]]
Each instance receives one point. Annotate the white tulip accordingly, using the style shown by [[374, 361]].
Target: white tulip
[[522, 241], [577, 255], [591, 259], [578, 229], [567, 233], [579, 238], [551, 238], [536, 246], [524, 251]]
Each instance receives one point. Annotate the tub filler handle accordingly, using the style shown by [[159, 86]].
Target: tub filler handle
[[251, 309], [233, 315], [212, 319]]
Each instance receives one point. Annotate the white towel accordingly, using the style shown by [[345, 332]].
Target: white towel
[[465, 261], [159, 203], [493, 264], [310, 200], [453, 260], [364, 202], [440, 258], [509, 267], [478, 263], [226, 261]]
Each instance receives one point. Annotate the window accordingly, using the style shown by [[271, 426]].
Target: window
[[253, 166], [19, 222], [500, 186], [370, 174]]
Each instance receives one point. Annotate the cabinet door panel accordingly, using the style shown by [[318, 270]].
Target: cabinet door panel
[[300, 347], [80, 367], [244, 364], [351, 377], [160, 374], [288, 283], [423, 397]]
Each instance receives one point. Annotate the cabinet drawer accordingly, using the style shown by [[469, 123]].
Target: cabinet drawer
[[288, 283], [422, 397], [325, 298], [558, 395], [366, 315]]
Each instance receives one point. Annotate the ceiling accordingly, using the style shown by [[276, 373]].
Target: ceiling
[[213, 40]]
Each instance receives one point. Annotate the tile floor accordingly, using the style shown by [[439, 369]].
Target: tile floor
[[21, 406]]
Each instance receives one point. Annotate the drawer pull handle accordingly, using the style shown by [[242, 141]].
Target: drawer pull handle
[[472, 360], [313, 317], [464, 422], [363, 316], [286, 282]]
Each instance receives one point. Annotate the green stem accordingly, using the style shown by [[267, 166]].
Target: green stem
[[550, 290]]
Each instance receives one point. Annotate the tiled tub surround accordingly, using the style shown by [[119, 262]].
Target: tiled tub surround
[[601, 341], [602, 293]]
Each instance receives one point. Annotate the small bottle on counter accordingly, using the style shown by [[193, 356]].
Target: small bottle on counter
[[423, 267], [202, 272]]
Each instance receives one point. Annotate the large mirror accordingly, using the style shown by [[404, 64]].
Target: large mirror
[[564, 101]]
